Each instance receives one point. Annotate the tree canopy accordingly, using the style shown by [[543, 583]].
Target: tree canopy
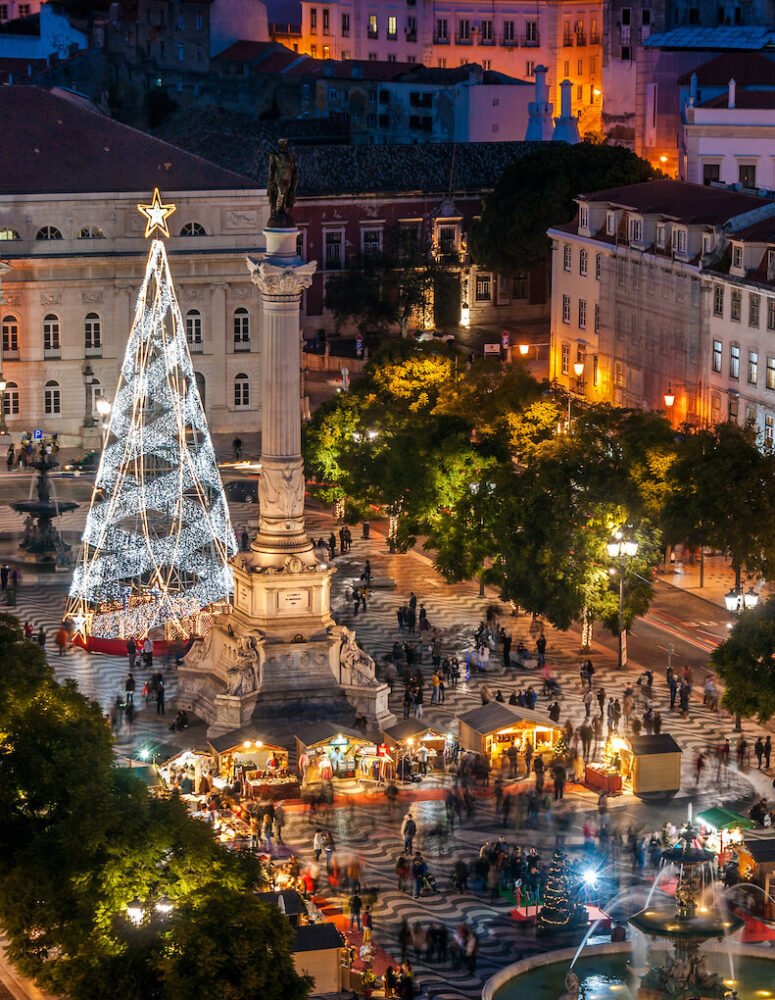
[[745, 664], [80, 839], [537, 191]]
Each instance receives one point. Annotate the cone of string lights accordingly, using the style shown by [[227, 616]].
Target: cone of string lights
[[561, 909], [158, 539]]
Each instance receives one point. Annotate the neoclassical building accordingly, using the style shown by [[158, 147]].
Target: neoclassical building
[[72, 258]]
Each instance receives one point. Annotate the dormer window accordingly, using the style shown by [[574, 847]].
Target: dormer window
[[610, 223], [636, 230], [679, 240], [583, 217], [707, 243], [737, 257], [661, 234], [771, 265]]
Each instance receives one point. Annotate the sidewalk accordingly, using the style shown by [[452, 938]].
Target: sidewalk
[[717, 577]]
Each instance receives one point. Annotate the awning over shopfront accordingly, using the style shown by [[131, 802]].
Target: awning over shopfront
[[719, 818]]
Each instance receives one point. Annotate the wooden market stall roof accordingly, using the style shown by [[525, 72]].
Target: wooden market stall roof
[[237, 737], [761, 849], [407, 728], [495, 715], [320, 732], [645, 745]]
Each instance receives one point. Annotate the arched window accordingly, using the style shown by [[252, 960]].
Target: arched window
[[49, 233], [95, 390], [193, 229], [11, 399], [92, 333], [10, 335], [194, 329], [9, 234], [241, 329], [90, 233], [201, 386], [51, 332], [52, 400], [241, 391]]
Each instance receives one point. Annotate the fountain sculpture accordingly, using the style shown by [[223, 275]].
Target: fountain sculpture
[[42, 547], [684, 973]]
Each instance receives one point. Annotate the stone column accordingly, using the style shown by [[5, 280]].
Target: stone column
[[281, 277]]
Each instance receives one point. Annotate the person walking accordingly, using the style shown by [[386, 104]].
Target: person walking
[[42, 637], [541, 649], [129, 689], [160, 697], [408, 832], [368, 925], [10, 457], [131, 652], [237, 446], [366, 574], [767, 751], [356, 904], [4, 573]]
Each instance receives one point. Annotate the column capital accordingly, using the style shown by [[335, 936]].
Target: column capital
[[283, 282]]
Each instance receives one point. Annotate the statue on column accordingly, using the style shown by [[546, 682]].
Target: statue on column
[[281, 185]]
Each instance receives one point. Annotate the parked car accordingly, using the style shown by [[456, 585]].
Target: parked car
[[242, 491], [86, 463]]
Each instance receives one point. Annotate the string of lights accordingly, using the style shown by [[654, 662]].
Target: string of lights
[[158, 538]]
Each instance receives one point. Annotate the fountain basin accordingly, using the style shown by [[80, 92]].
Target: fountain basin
[[701, 927], [604, 974]]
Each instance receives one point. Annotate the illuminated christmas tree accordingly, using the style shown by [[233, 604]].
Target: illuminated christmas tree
[[562, 909], [158, 537]]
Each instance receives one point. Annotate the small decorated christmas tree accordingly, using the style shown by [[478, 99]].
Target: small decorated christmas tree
[[562, 909], [561, 749]]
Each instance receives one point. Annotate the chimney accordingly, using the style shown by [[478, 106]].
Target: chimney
[[539, 111], [732, 94], [693, 90], [566, 127]]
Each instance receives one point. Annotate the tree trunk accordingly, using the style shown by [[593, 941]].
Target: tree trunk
[[481, 583]]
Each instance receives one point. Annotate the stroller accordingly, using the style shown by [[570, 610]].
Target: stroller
[[429, 883]]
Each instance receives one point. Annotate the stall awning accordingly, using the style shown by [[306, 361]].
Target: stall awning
[[320, 732], [719, 818], [407, 728], [496, 715], [238, 737], [150, 752], [761, 849]]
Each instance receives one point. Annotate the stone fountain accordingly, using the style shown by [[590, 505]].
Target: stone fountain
[[684, 972], [42, 547]]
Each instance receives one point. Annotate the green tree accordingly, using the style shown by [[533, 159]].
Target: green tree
[[562, 908], [721, 494], [745, 664], [227, 946], [537, 191]]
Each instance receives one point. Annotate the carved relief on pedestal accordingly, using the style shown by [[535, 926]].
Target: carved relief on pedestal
[[357, 667], [281, 493]]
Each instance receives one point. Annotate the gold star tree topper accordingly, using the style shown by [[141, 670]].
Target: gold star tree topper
[[156, 215]]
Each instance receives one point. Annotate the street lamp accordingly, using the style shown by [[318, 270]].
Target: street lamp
[[88, 379], [524, 349], [669, 397], [3, 425], [622, 548], [135, 911], [737, 600]]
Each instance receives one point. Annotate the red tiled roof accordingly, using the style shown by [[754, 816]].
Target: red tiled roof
[[691, 203], [753, 99], [745, 68], [51, 145]]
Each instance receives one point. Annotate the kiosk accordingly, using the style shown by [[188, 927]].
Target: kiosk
[[493, 728], [405, 739], [260, 767], [325, 751]]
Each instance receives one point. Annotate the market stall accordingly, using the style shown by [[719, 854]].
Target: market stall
[[327, 752], [756, 859], [408, 738], [258, 767], [648, 766], [722, 831], [493, 728]]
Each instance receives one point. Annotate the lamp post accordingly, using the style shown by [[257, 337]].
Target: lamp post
[[737, 600], [669, 398], [524, 349], [3, 425], [622, 548], [88, 379]]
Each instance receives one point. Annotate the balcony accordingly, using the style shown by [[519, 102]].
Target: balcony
[[94, 352], [594, 38], [441, 39], [51, 352], [486, 41], [531, 42], [463, 40], [196, 347], [392, 36], [345, 32], [581, 38], [509, 43], [411, 36], [567, 41], [372, 32]]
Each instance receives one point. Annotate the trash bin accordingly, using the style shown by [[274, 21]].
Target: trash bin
[[366, 529]]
